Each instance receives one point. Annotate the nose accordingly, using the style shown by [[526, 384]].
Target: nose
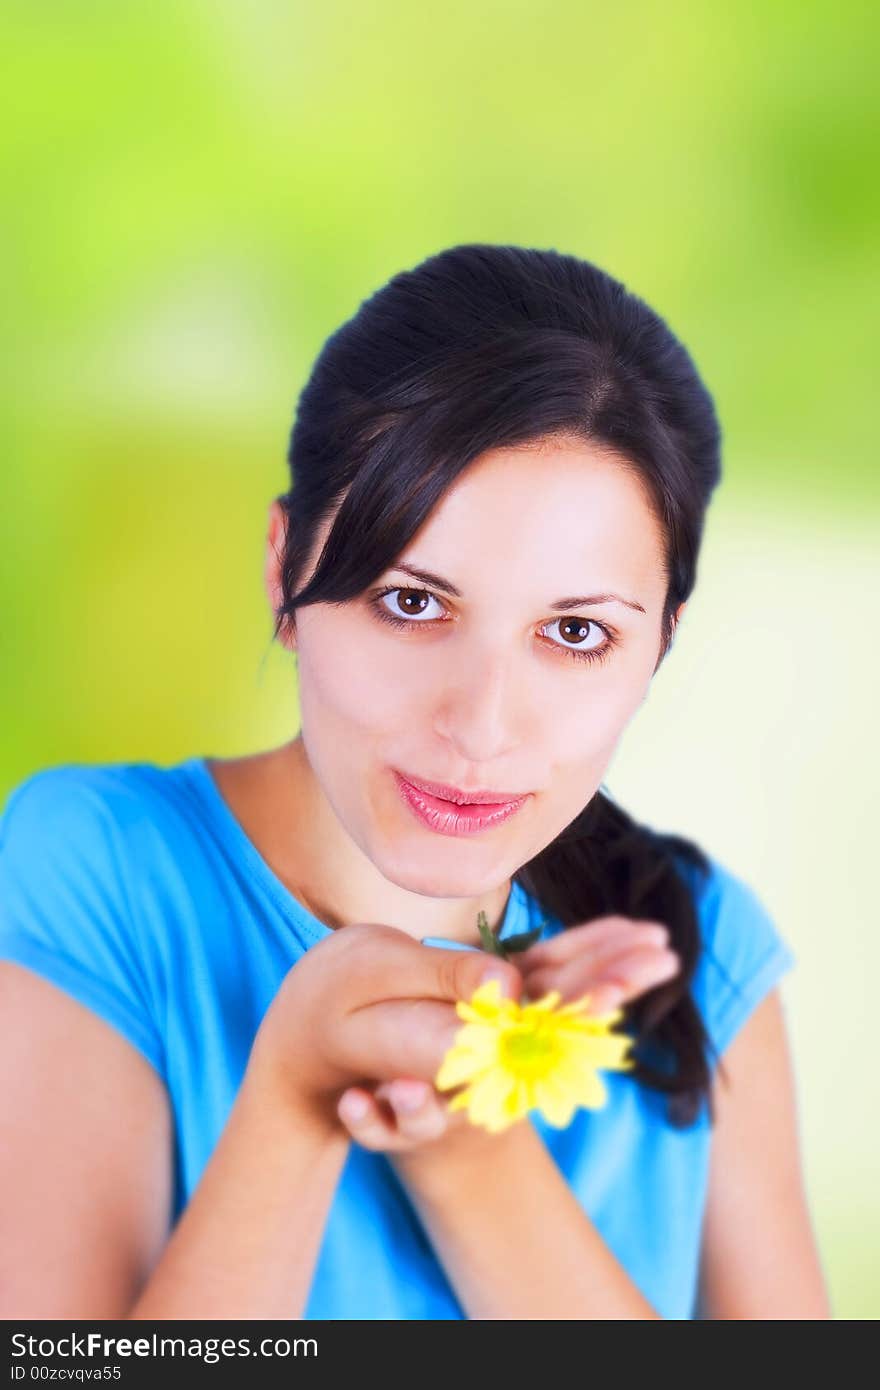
[[479, 708]]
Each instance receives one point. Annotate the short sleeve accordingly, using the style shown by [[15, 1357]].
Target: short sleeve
[[743, 954], [65, 908]]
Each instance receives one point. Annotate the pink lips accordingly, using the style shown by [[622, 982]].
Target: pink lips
[[448, 793], [453, 818]]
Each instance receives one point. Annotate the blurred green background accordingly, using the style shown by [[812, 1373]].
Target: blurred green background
[[196, 194]]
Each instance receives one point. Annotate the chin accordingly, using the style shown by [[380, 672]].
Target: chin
[[452, 881]]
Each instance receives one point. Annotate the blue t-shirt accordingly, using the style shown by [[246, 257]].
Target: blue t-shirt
[[134, 888]]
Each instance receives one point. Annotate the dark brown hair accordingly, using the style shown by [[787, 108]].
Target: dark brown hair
[[481, 347]]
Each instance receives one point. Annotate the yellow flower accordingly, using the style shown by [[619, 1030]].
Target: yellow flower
[[530, 1056]]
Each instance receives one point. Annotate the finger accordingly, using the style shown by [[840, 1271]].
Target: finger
[[409, 991], [387, 963], [365, 1120], [590, 939], [398, 1034], [617, 980], [592, 965], [418, 1110], [611, 982], [355, 1105]]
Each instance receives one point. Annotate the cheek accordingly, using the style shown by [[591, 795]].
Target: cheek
[[343, 680], [585, 716], [580, 731], [351, 677]]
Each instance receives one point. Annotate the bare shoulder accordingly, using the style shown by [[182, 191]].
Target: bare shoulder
[[86, 1159], [759, 1256]]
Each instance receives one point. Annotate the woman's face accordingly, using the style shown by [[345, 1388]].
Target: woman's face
[[484, 688]]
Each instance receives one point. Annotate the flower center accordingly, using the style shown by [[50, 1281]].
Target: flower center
[[528, 1050]]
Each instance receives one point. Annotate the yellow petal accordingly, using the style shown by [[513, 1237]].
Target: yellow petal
[[485, 1010], [501, 1084], [575, 1006], [555, 1102], [455, 1068], [516, 1104], [545, 1004], [479, 1038], [488, 999], [498, 1123], [474, 1049], [488, 1094], [461, 1101], [590, 1091], [606, 1052], [520, 1098]]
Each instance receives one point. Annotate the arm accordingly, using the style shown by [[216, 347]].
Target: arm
[[247, 1242], [507, 1257], [86, 1179], [86, 1148], [759, 1258]]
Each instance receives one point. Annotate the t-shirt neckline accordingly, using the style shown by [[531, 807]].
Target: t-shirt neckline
[[232, 833]]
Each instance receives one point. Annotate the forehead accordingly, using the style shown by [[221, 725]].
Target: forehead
[[571, 514]]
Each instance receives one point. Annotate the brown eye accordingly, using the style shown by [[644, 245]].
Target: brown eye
[[577, 644], [411, 602], [414, 604]]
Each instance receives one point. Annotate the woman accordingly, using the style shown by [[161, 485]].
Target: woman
[[500, 469]]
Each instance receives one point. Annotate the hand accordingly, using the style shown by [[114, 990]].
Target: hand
[[402, 1115], [614, 959], [366, 1005]]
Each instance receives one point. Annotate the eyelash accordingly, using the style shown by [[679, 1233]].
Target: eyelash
[[592, 654]]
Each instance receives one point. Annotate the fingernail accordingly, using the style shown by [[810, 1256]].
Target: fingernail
[[354, 1107], [613, 996], [501, 976], [410, 1099], [658, 936]]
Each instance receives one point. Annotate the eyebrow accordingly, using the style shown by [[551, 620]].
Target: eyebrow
[[561, 605]]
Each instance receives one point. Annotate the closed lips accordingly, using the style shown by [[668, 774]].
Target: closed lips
[[460, 798]]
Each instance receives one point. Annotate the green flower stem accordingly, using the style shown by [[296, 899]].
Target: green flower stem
[[521, 942]]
